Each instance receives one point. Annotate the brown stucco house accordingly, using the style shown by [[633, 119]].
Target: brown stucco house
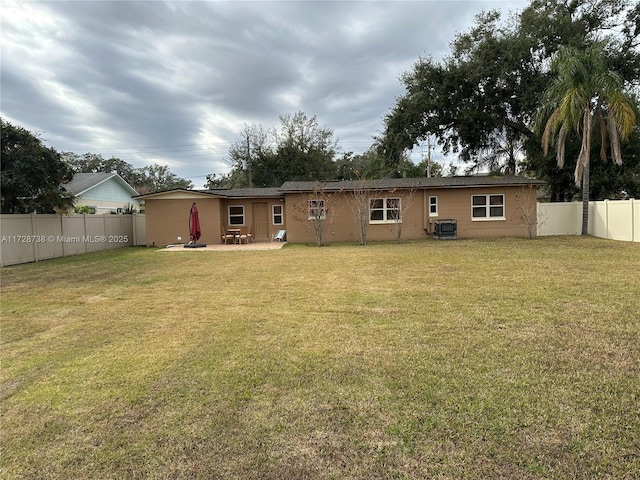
[[479, 206], [258, 210]]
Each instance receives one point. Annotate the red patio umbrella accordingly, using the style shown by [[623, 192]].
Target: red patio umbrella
[[194, 224]]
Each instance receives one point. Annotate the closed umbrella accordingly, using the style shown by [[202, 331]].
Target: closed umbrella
[[194, 224], [194, 227]]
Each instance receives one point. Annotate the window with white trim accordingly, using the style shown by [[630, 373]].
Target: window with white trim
[[384, 210], [433, 206], [236, 214], [317, 210], [278, 217], [487, 207]]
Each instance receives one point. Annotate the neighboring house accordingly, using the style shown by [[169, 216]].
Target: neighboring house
[[482, 206], [106, 192]]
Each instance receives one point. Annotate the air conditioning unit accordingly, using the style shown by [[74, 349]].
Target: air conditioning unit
[[445, 229]]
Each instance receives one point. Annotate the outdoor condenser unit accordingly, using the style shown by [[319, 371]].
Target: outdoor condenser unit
[[445, 229]]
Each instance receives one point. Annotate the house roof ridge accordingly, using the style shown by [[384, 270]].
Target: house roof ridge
[[85, 181], [295, 186], [415, 182]]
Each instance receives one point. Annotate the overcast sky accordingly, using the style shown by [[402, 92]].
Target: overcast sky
[[175, 82]]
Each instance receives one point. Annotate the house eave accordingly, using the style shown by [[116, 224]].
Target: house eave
[[378, 185], [172, 192], [408, 184]]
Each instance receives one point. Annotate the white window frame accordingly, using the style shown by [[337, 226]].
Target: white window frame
[[487, 207], [316, 206], [235, 215], [433, 212], [386, 209], [280, 214]]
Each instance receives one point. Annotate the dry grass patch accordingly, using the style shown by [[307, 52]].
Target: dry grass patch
[[468, 359]]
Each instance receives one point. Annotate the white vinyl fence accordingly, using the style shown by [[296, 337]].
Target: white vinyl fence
[[33, 237], [612, 219]]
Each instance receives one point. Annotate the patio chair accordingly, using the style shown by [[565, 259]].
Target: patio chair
[[226, 237], [243, 236], [250, 235], [280, 236]]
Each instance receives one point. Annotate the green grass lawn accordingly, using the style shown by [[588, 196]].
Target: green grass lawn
[[462, 359]]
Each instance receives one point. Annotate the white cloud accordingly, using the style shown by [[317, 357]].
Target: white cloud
[[174, 82]]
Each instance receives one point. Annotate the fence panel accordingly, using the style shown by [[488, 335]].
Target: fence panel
[[635, 216], [30, 238], [613, 219], [620, 221], [138, 234], [559, 218], [95, 232], [73, 231], [598, 224], [48, 228], [18, 241]]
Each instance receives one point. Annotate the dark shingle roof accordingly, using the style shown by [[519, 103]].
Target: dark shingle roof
[[245, 192], [410, 183], [225, 192], [377, 184], [82, 182]]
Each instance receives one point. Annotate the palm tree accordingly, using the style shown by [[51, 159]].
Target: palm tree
[[585, 95]]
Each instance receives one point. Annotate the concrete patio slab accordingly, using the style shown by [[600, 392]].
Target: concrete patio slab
[[226, 248]]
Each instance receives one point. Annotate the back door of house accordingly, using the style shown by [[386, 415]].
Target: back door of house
[[260, 221]]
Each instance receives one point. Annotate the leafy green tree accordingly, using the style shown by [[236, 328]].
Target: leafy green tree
[[224, 180], [305, 151], [95, 163], [158, 178], [151, 178], [480, 101], [452, 170], [31, 174], [369, 165], [472, 101], [436, 169], [584, 96], [252, 150], [301, 150]]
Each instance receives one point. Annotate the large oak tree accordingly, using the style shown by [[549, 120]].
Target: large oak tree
[[31, 174], [480, 101]]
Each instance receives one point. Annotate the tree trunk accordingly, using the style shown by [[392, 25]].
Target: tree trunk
[[585, 199]]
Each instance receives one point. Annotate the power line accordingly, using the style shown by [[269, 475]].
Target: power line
[[186, 147]]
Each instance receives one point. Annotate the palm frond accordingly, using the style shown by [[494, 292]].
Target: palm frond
[[568, 64], [615, 140], [562, 140], [586, 94], [622, 111], [549, 129], [571, 107], [607, 83]]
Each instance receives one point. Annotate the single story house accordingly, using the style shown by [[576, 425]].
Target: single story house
[[104, 192], [479, 206]]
